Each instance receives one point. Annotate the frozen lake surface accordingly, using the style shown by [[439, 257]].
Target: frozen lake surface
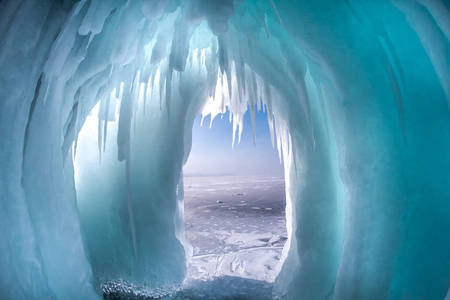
[[236, 225]]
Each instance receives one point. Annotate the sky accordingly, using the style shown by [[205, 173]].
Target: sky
[[212, 153]]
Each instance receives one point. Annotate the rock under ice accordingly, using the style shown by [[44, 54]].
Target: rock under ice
[[357, 94]]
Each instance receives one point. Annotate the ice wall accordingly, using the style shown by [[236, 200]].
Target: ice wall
[[360, 95]]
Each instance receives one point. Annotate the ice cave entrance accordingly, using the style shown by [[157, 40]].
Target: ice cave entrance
[[234, 201], [234, 195]]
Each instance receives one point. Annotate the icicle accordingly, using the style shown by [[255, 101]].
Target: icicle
[[91, 37], [103, 104], [99, 140], [111, 71], [252, 104], [276, 12], [130, 205], [203, 117], [323, 108], [122, 88], [392, 56], [278, 136], [86, 24], [162, 81], [78, 7], [103, 115], [252, 116], [168, 89], [303, 96], [105, 132], [241, 127], [190, 58], [123, 143], [239, 75], [224, 63], [263, 19], [136, 97], [294, 158], [286, 144], [270, 121], [199, 59], [212, 71], [223, 55], [152, 80], [75, 144], [255, 91], [249, 45], [223, 104], [260, 93], [268, 98], [242, 75], [178, 53], [204, 57], [77, 126], [180, 187], [213, 92], [230, 88], [146, 91], [234, 130], [47, 89], [123, 135], [118, 91], [111, 114], [211, 122], [141, 92], [398, 97], [289, 148]]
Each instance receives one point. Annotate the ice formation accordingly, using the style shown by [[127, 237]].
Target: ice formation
[[357, 94]]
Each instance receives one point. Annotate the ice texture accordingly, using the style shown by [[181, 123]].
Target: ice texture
[[357, 96]]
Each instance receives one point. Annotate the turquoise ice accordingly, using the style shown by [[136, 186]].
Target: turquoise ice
[[357, 94]]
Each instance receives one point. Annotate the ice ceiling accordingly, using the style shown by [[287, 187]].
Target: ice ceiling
[[360, 92]]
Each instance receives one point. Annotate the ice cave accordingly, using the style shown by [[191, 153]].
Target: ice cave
[[357, 96]]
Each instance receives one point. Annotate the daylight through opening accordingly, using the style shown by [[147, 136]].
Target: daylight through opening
[[232, 184], [360, 90], [234, 201]]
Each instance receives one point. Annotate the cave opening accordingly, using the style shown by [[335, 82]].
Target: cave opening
[[360, 90], [234, 201], [246, 233]]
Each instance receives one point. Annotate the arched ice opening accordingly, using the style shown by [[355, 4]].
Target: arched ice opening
[[234, 199], [359, 92]]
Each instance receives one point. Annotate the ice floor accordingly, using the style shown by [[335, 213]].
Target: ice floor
[[237, 227]]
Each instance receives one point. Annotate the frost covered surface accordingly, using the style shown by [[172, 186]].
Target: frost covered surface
[[236, 225], [360, 93]]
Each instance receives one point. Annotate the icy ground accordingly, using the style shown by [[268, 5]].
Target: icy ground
[[236, 225]]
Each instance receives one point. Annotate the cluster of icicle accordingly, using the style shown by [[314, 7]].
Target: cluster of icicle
[[347, 79], [162, 47], [123, 54]]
